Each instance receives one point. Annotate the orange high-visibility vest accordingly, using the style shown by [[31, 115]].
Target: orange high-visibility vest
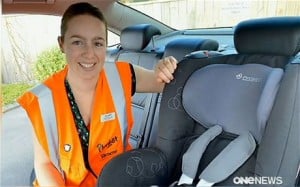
[[49, 111]]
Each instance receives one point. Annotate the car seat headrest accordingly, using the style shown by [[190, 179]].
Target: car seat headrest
[[181, 47], [137, 37], [274, 36], [237, 97]]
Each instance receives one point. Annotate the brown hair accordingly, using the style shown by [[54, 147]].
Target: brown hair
[[80, 9]]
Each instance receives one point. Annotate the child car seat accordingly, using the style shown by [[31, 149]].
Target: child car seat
[[226, 120]]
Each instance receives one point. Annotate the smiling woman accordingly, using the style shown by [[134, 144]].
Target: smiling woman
[[96, 108], [68, 104], [86, 35]]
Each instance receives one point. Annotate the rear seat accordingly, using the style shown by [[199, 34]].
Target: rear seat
[[136, 49], [134, 39]]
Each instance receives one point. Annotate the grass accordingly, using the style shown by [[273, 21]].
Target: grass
[[10, 92]]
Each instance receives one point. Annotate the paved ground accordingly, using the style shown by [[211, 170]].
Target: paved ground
[[16, 148]]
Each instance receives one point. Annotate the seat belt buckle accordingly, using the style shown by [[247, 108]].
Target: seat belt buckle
[[135, 140]]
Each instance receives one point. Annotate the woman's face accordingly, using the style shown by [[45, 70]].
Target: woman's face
[[84, 45]]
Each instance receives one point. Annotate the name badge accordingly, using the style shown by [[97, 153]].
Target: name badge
[[108, 117]]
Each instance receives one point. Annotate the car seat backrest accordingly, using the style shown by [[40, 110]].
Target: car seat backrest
[[270, 36], [248, 101], [179, 48]]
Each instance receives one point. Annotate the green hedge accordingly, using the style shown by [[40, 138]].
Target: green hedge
[[10, 92], [48, 62]]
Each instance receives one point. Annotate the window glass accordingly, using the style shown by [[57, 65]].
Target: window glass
[[189, 14], [112, 38]]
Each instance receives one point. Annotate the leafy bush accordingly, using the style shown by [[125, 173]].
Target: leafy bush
[[10, 92], [48, 62]]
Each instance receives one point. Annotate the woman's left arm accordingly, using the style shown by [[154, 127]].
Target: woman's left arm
[[154, 80]]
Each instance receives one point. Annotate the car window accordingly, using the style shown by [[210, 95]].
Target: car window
[[22, 47], [191, 14], [113, 39], [46, 29]]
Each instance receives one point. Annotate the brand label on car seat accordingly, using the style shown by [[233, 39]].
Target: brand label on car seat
[[242, 77]]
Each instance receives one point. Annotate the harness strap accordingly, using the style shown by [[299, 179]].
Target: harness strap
[[118, 95], [138, 131], [229, 160], [192, 156]]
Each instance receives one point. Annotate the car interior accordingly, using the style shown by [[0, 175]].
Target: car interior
[[231, 112]]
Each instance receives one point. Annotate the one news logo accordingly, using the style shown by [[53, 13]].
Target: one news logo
[[258, 180]]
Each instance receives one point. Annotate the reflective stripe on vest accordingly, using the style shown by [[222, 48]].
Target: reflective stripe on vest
[[117, 91], [46, 105]]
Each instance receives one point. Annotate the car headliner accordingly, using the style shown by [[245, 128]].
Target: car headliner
[[118, 16], [51, 7]]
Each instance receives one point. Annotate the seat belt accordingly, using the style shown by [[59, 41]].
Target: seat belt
[[297, 183], [192, 156], [138, 130], [229, 160]]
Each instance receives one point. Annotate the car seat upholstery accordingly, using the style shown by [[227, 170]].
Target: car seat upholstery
[[137, 49], [255, 91], [178, 48]]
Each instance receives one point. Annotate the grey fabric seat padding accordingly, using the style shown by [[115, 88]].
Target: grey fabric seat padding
[[238, 98], [179, 48], [246, 107]]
